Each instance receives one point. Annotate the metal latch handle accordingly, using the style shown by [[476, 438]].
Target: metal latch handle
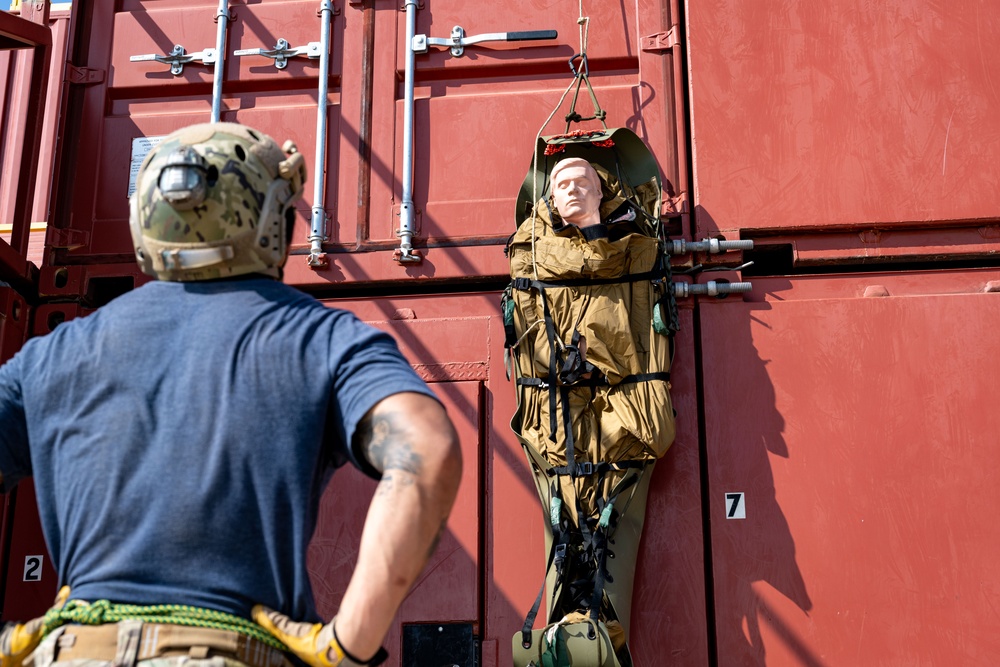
[[458, 41], [282, 52], [177, 59]]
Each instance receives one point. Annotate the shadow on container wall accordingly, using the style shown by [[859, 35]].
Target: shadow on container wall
[[751, 543]]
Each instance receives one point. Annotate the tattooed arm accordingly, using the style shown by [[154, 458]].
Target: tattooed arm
[[410, 440]]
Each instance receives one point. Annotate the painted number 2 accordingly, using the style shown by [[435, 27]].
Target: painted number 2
[[735, 507], [33, 568]]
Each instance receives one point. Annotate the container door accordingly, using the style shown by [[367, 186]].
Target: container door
[[491, 563], [29, 578], [841, 131], [851, 455], [475, 119], [155, 67], [14, 315], [441, 619]]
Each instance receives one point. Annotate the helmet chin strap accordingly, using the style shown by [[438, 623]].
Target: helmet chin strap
[[195, 258]]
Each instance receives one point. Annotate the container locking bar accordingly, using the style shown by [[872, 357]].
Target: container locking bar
[[458, 41], [711, 288], [222, 16], [711, 246], [317, 227], [177, 59], [282, 52], [406, 254], [315, 51]]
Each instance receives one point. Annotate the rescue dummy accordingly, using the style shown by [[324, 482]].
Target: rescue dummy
[[588, 318], [181, 436]]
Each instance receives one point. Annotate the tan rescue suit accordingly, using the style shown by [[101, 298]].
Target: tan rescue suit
[[590, 319]]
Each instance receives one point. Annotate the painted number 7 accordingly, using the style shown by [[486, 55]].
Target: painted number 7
[[735, 507]]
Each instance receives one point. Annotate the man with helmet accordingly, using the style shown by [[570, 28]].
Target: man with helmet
[[180, 437]]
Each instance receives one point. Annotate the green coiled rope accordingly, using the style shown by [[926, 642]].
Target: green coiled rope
[[104, 611]]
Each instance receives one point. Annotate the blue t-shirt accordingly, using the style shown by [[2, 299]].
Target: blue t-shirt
[[181, 436]]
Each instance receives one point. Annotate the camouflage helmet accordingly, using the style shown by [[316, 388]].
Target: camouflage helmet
[[215, 200]]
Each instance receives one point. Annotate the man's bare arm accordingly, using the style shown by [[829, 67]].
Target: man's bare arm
[[410, 440]]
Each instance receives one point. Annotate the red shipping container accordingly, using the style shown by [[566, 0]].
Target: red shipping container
[[475, 120], [833, 429], [849, 440], [847, 132]]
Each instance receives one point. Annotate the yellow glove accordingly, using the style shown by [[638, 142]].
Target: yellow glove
[[18, 641], [314, 643]]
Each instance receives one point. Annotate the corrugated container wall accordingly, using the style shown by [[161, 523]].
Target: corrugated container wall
[[834, 423], [475, 120], [849, 410]]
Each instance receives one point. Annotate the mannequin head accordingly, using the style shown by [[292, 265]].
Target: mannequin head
[[576, 192]]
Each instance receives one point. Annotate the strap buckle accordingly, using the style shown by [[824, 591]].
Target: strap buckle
[[560, 556]]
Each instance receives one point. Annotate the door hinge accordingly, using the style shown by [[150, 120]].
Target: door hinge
[[82, 75], [671, 207], [59, 237], [661, 41]]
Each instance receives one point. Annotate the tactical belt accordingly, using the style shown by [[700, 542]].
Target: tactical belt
[[161, 640]]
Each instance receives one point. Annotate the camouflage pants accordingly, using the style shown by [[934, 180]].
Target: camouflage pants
[[133, 650]]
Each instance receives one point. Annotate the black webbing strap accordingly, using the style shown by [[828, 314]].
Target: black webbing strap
[[601, 536], [601, 381], [594, 232], [575, 368], [586, 468], [663, 376], [558, 545], [568, 426], [550, 332], [525, 284], [529, 620]]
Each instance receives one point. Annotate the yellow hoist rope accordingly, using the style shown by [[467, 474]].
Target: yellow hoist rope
[[104, 611]]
